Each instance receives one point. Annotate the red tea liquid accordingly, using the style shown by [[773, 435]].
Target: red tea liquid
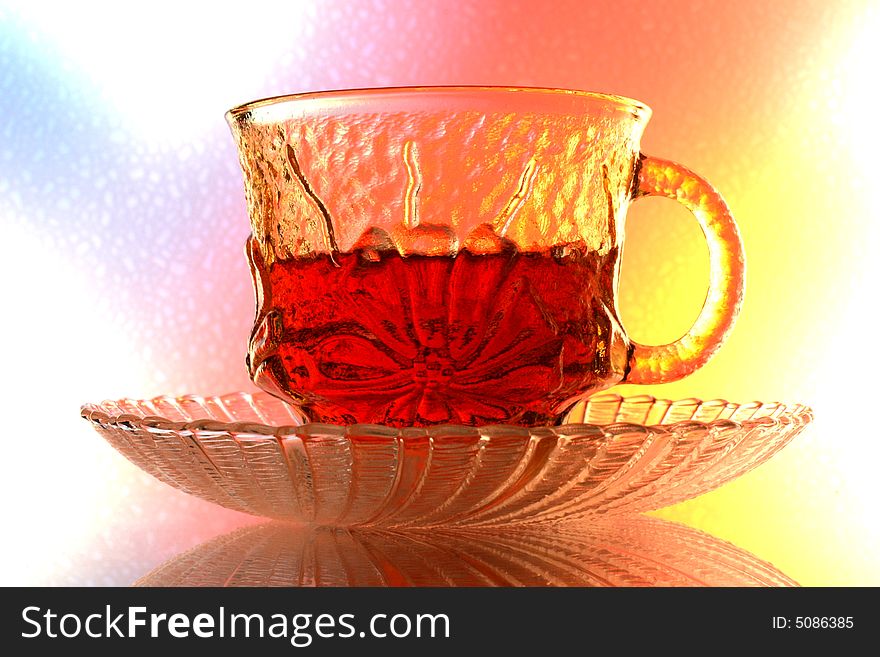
[[422, 340]]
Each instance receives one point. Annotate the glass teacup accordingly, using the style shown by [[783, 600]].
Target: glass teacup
[[425, 256]]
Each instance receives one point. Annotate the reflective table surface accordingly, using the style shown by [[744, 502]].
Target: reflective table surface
[[86, 516]]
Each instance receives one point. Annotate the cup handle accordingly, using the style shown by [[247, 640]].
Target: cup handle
[[670, 362]]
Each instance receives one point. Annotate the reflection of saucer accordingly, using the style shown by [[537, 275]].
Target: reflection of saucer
[[625, 551], [252, 453]]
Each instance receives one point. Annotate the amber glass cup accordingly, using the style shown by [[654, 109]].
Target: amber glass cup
[[426, 256]]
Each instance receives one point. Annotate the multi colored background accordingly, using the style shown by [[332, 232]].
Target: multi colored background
[[123, 225]]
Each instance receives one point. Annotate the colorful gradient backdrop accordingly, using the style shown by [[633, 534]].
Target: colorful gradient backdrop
[[123, 222]]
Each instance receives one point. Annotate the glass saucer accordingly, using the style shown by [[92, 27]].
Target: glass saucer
[[619, 551], [254, 453]]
